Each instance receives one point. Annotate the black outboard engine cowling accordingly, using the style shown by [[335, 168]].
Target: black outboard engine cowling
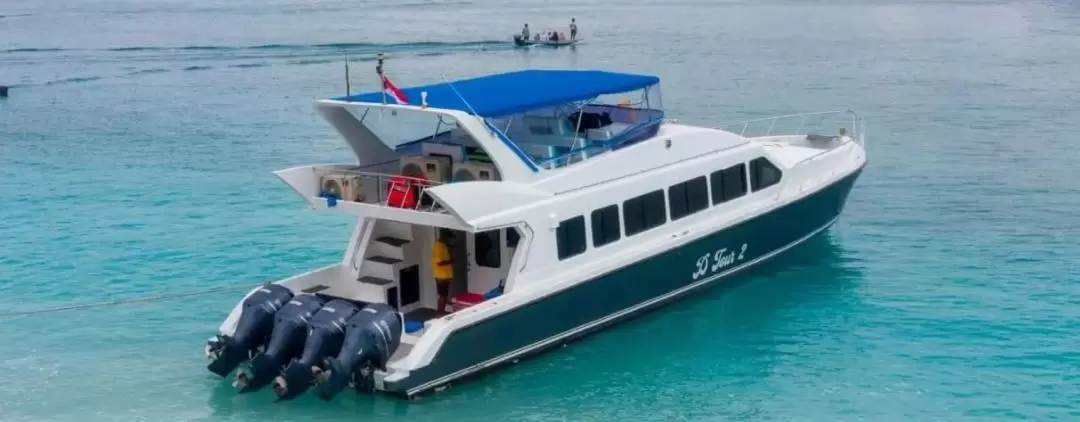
[[252, 330], [286, 342], [371, 338], [326, 331]]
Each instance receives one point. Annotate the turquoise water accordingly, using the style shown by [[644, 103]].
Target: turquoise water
[[137, 147]]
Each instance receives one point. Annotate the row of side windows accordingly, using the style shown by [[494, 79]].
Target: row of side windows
[[648, 211]]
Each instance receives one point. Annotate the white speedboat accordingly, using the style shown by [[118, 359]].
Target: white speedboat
[[570, 202], [521, 42]]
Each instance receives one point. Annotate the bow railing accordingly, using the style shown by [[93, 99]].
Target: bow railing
[[836, 128], [843, 122]]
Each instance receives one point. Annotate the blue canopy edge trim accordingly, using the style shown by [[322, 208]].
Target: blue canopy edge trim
[[504, 94]]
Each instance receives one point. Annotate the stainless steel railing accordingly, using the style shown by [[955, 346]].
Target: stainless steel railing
[[851, 123], [375, 189], [850, 120]]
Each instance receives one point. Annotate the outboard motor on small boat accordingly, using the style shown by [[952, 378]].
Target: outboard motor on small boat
[[326, 331], [371, 338], [252, 330], [286, 342]]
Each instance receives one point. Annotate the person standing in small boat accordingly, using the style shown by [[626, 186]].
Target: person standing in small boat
[[573, 30], [443, 272], [525, 32]]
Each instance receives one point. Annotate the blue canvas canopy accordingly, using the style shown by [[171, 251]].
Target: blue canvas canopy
[[504, 94]]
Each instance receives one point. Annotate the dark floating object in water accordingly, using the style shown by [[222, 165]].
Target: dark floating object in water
[[3, 91]]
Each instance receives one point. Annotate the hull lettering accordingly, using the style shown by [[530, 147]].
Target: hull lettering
[[713, 262]]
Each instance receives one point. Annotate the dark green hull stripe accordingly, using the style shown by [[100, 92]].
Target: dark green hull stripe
[[626, 292]]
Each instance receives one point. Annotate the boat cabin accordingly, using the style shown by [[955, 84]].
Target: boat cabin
[[413, 159]]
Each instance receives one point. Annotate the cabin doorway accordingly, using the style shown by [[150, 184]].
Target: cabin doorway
[[459, 253], [490, 254]]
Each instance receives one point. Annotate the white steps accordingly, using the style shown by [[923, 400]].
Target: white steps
[[387, 246], [385, 254], [381, 267]]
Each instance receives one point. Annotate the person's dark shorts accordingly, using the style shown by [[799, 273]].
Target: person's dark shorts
[[443, 287]]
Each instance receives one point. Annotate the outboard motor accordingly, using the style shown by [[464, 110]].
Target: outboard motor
[[286, 342], [326, 331], [371, 338], [252, 330]]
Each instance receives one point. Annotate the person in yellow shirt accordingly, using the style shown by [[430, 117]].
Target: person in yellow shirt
[[443, 272]]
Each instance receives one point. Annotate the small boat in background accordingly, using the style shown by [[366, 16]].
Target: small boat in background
[[521, 42]]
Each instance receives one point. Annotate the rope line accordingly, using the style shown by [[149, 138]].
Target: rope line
[[144, 299]]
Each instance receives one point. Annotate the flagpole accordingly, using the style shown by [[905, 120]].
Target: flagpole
[[348, 90], [382, 80]]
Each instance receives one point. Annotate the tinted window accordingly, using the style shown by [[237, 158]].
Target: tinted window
[[570, 237], [763, 174], [688, 197], [486, 245], [605, 225], [729, 183], [644, 212], [677, 200], [512, 238]]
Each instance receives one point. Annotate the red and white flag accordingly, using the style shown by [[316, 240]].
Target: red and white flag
[[393, 91]]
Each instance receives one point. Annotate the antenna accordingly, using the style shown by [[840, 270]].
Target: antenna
[[466, 102], [494, 131], [487, 124], [463, 100]]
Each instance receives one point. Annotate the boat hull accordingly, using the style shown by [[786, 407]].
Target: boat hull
[[546, 43], [626, 292]]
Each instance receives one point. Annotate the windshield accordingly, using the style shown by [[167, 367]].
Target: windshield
[[564, 134]]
